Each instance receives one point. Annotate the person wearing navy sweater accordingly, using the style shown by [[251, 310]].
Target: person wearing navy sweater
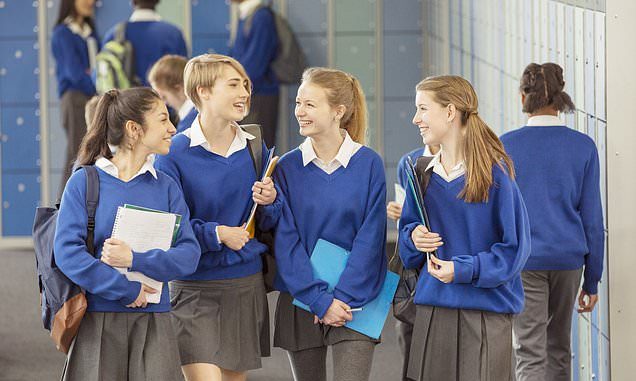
[[255, 45], [166, 78], [74, 44], [403, 329], [151, 38], [122, 335], [561, 188], [334, 189], [220, 311], [479, 233]]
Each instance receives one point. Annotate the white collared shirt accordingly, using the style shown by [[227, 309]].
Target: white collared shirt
[[247, 7], [544, 120], [110, 168], [346, 151], [144, 15], [438, 168], [427, 152], [185, 109], [85, 32], [195, 133]]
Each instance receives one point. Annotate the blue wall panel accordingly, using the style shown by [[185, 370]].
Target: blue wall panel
[[20, 195], [18, 74], [20, 127], [400, 78], [18, 18]]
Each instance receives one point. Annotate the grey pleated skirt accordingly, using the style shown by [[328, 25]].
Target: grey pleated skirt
[[294, 329], [460, 345], [222, 322], [120, 346]]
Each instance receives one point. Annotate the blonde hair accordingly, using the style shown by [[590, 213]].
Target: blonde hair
[[482, 147], [89, 110], [205, 69], [167, 73], [343, 89]]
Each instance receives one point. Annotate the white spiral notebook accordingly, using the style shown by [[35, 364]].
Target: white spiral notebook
[[145, 229]]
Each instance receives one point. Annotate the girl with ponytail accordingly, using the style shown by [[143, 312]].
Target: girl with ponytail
[[123, 336], [559, 176], [334, 188], [469, 289]]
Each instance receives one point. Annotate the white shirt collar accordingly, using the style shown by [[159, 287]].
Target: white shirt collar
[[110, 167], [185, 109], [347, 149], [427, 151], [544, 120], [144, 15], [84, 30], [438, 168], [247, 7], [197, 138]]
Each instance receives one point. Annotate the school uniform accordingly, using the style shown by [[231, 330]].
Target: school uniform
[[74, 48], [187, 114], [256, 50], [116, 342], [151, 39], [561, 188], [463, 329], [342, 202], [220, 311]]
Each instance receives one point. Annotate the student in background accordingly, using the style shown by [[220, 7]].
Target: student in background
[[90, 110], [394, 211], [561, 188], [220, 311], [122, 336], [74, 44], [467, 292], [255, 49], [151, 38], [334, 189], [166, 77]]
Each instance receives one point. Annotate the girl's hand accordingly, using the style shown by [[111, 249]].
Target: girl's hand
[[116, 253], [424, 240], [442, 270], [141, 298], [393, 210], [337, 314], [233, 237], [587, 306], [264, 193]]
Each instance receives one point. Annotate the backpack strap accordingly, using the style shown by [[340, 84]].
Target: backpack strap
[[92, 199], [255, 146], [120, 32]]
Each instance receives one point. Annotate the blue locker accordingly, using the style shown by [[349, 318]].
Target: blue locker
[[210, 17], [355, 16], [402, 64], [400, 134], [402, 16], [20, 139], [18, 74], [19, 18], [202, 44], [307, 16], [595, 344], [315, 48], [20, 195]]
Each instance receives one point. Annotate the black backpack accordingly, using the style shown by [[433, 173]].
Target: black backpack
[[255, 148], [63, 302]]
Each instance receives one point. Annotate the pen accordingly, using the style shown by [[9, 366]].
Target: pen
[[354, 309]]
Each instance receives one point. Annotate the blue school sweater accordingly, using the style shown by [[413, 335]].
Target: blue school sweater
[[151, 40], [218, 191], [72, 66], [346, 208], [558, 174], [106, 289], [186, 122], [488, 243], [256, 50], [402, 165]]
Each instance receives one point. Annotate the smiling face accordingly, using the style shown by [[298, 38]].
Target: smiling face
[[84, 8], [314, 114], [158, 132], [228, 97], [431, 118]]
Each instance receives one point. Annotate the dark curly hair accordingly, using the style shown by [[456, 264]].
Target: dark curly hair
[[542, 85]]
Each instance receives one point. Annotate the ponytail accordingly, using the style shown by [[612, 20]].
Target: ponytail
[[95, 143], [356, 125]]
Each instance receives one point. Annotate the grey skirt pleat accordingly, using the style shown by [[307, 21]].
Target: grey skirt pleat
[[460, 345], [294, 329], [116, 346], [222, 322]]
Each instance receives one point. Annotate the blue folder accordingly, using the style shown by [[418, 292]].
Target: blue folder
[[329, 261]]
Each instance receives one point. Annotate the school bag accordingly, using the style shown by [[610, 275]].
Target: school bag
[[115, 63], [255, 148], [289, 62], [403, 305], [63, 302]]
